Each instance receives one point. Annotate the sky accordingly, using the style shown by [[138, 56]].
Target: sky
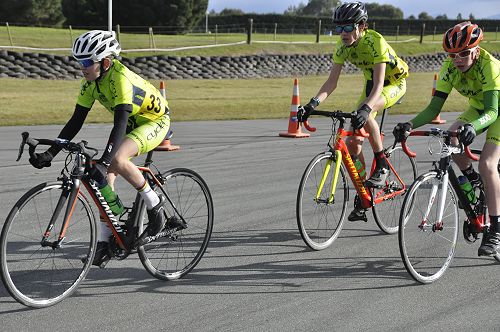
[[478, 8]]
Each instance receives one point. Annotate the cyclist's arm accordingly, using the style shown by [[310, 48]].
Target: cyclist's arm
[[490, 100], [72, 127], [431, 111], [122, 112], [378, 84], [331, 83]]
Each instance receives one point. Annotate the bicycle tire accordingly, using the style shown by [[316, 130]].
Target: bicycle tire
[[173, 257], [428, 250], [320, 222], [386, 213], [38, 276]]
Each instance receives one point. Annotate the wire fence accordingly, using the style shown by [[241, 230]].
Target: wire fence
[[159, 38]]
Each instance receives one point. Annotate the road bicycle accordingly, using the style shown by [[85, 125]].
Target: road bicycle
[[429, 220], [324, 191], [48, 241]]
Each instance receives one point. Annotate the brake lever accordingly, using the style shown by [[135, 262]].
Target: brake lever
[[25, 136]]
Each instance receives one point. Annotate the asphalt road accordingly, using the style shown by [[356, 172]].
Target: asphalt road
[[257, 274]]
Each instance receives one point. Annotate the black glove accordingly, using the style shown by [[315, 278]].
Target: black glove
[[360, 116], [98, 173], [402, 131], [467, 134], [308, 109], [41, 160]]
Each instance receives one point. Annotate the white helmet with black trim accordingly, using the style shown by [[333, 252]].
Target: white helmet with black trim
[[95, 45]]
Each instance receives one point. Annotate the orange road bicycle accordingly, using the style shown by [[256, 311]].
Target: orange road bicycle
[[429, 220], [323, 192], [48, 241]]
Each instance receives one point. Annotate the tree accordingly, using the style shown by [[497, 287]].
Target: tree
[[412, 17], [314, 8], [441, 17], [39, 12], [230, 11], [459, 16], [471, 17], [294, 10], [176, 15], [424, 16], [383, 11]]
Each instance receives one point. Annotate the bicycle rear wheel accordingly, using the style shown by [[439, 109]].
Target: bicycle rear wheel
[[426, 246], [319, 220], [173, 256], [386, 213], [40, 276]]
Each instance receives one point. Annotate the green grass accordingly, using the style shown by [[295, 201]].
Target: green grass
[[62, 38], [37, 102]]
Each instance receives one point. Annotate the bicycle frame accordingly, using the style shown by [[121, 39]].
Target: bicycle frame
[[341, 153], [446, 171]]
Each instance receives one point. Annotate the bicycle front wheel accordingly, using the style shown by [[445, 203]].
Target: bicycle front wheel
[[320, 218], [37, 275], [173, 256], [386, 213], [426, 244]]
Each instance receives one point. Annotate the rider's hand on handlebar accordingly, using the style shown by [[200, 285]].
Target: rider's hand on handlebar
[[308, 109], [41, 160], [402, 131], [360, 116], [467, 134], [98, 172]]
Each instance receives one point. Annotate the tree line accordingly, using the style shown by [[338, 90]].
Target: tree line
[[180, 15]]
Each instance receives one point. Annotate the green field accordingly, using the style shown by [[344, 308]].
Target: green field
[[36, 102], [288, 43]]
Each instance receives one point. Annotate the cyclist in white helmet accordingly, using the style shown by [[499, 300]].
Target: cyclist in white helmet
[[141, 122]]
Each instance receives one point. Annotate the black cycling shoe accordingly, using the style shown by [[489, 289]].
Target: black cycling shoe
[[102, 254], [358, 213], [175, 223], [377, 180], [156, 218], [490, 244]]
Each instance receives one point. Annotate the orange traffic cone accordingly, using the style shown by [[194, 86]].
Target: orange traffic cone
[[437, 119], [166, 145], [293, 123]]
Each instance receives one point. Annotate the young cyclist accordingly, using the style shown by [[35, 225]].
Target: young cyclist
[[141, 122], [385, 84], [475, 74]]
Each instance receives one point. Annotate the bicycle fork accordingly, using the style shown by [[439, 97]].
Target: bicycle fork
[[69, 192], [326, 171], [438, 225]]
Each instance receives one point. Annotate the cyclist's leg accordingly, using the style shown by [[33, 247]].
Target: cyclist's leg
[[488, 168], [143, 139], [391, 94]]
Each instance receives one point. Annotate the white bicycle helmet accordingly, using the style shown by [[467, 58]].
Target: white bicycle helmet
[[95, 45]]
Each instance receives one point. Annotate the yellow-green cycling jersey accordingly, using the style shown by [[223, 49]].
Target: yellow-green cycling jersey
[[122, 86], [483, 76], [370, 50]]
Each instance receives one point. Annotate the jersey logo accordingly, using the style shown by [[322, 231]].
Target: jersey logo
[[138, 95]]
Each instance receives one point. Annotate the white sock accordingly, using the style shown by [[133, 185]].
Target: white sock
[[103, 232], [149, 196]]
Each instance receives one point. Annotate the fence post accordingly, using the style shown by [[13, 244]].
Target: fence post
[[422, 33], [152, 43], [71, 36], [8, 32], [496, 33], [374, 25], [434, 33], [276, 28], [118, 33], [249, 31], [216, 32], [397, 32], [319, 31]]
